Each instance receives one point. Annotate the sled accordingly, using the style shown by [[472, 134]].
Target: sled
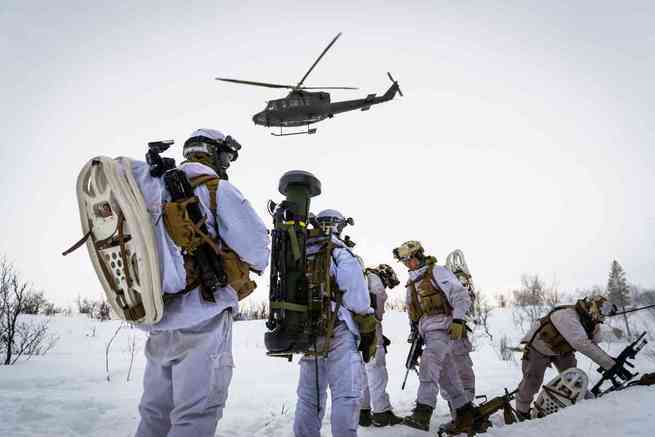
[[562, 391], [120, 238]]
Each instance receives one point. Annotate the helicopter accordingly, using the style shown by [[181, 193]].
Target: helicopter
[[303, 108]]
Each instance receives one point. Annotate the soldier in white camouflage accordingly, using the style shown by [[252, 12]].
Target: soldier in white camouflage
[[436, 304], [375, 408]]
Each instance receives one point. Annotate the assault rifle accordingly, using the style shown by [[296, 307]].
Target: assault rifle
[[414, 354], [619, 370]]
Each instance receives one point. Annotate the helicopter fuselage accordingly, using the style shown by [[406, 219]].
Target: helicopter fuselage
[[298, 108]]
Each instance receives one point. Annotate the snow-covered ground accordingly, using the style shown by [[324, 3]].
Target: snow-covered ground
[[66, 393]]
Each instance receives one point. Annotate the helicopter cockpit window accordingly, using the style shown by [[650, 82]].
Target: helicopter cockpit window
[[294, 103], [271, 106]]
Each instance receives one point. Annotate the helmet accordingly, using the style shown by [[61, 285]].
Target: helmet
[[211, 147], [408, 249], [332, 221], [598, 308], [387, 275]]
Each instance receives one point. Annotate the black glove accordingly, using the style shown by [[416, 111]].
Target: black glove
[[413, 332], [457, 329], [385, 343]]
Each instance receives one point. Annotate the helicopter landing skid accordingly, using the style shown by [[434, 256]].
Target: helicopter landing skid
[[309, 131]]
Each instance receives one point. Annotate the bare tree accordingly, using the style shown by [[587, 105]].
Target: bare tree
[[131, 348], [533, 301], [501, 299], [484, 310], [505, 349], [19, 337]]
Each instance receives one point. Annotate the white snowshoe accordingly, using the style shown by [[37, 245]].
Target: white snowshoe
[[456, 263], [562, 391], [120, 237]]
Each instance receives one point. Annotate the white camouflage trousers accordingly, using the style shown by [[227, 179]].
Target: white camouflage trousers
[[375, 378], [341, 372], [185, 385], [464, 364], [437, 370]]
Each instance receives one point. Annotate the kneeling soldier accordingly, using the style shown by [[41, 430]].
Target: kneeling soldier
[[554, 340]]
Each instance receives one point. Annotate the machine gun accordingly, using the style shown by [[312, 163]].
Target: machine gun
[[415, 352], [488, 408], [619, 370]]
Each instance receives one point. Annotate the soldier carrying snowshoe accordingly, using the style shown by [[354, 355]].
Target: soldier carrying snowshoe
[[437, 304]]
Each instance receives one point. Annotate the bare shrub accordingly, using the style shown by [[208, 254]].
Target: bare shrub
[[20, 335], [483, 312], [95, 309], [108, 346], [131, 349], [252, 311], [505, 349], [34, 303]]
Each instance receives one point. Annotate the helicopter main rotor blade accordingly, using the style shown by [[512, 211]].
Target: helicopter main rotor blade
[[317, 60], [327, 88], [250, 82]]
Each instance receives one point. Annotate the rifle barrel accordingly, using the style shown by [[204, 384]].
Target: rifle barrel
[[632, 310]]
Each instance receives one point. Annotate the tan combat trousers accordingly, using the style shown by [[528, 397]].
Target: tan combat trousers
[[534, 365]]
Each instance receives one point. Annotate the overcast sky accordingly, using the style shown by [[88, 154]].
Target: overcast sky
[[525, 137]]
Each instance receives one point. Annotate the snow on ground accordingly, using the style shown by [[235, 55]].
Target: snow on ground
[[66, 393]]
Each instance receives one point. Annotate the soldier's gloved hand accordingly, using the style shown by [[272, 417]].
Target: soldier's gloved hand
[[367, 339], [413, 326], [457, 329]]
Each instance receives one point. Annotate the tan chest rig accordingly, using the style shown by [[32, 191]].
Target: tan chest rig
[[426, 297], [548, 333], [188, 236]]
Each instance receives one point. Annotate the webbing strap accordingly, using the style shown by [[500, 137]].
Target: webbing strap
[[545, 321], [211, 182], [289, 306]]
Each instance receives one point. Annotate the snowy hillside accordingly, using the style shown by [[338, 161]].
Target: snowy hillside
[[66, 393]]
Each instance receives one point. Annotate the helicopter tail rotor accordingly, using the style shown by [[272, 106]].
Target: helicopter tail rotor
[[395, 82]]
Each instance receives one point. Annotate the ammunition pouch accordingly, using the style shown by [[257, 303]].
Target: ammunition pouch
[[367, 328], [556, 341], [238, 274], [183, 231], [187, 227]]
